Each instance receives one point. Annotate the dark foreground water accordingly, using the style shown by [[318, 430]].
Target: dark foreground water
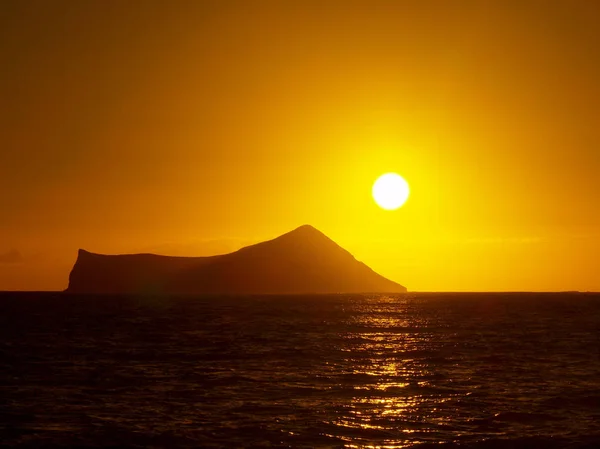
[[466, 370]]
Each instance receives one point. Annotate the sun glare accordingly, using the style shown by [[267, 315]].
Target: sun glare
[[390, 191]]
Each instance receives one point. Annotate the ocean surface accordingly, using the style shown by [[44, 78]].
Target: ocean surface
[[338, 371]]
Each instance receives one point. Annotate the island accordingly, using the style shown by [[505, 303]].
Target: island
[[303, 261]]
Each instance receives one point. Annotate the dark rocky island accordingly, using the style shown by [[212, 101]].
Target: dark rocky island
[[302, 261]]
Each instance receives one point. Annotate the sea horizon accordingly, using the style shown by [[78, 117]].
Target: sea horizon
[[425, 292]]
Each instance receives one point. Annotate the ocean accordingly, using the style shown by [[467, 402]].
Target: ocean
[[477, 370]]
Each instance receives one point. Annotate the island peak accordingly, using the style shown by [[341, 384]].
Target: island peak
[[303, 260]]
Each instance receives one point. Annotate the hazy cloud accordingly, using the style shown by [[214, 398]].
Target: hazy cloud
[[198, 248], [526, 239], [11, 257]]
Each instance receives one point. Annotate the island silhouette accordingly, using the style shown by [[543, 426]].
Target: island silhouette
[[301, 261]]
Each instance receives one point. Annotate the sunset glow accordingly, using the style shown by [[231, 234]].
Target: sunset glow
[[221, 124]]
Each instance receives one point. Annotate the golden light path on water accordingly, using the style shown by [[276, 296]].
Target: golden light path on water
[[395, 392]]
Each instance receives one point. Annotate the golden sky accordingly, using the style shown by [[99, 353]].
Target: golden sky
[[196, 127]]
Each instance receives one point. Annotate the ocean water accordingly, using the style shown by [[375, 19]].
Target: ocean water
[[338, 371]]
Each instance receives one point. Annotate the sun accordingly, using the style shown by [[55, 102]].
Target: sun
[[390, 191]]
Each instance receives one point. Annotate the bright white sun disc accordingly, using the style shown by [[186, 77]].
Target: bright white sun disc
[[390, 191]]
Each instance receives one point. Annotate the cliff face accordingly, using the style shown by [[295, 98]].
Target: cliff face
[[301, 261]]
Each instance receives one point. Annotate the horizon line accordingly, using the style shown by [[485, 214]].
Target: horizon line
[[308, 294]]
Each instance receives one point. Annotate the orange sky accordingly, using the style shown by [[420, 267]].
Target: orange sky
[[193, 128]]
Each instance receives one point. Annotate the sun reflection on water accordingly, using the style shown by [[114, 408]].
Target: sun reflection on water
[[389, 363]]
